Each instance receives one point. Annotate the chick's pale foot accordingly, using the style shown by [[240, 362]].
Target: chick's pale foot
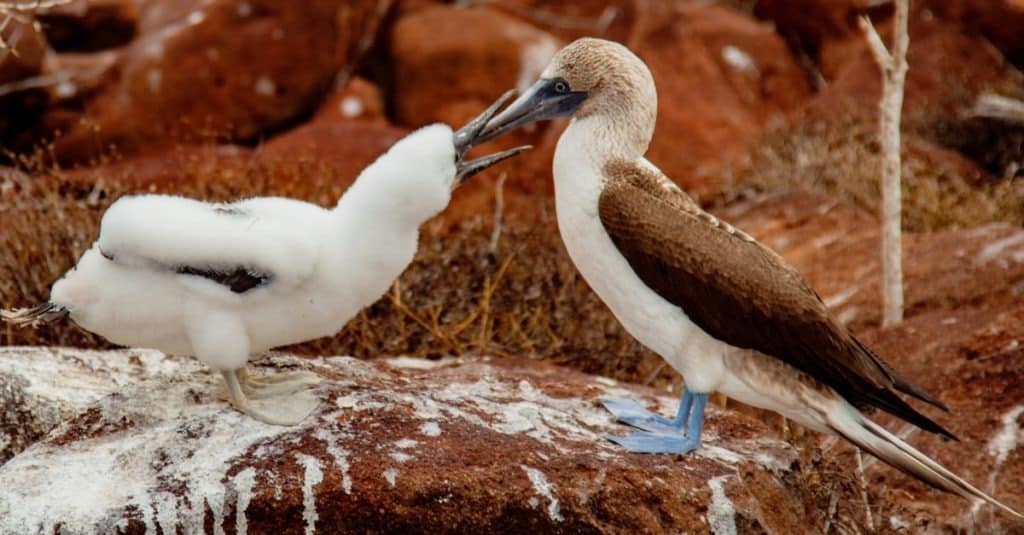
[[278, 384], [280, 410]]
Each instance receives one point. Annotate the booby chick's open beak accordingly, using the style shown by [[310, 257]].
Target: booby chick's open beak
[[468, 137], [549, 98]]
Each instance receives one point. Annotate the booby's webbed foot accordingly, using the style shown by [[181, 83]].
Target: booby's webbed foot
[[280, 410], [632, 413], [646, 442], [660, 434]]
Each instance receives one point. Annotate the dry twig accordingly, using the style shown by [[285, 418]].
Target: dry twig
[[894, 73]]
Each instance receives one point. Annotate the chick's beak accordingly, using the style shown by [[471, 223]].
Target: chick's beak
[[468, 137]]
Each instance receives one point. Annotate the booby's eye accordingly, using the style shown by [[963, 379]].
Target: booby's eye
[[561, 87]]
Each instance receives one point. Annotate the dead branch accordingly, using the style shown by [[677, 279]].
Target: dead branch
[[992, 106], [894, 72]]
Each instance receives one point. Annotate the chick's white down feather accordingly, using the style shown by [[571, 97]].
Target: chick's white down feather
[[141, 283]]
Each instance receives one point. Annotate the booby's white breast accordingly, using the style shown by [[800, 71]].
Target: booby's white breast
[[658, 324]]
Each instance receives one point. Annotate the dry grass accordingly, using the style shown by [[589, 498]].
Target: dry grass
[[841, 158]]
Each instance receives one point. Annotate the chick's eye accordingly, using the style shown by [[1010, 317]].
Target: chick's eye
[[561, 87]]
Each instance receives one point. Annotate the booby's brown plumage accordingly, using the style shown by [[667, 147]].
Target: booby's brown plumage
[[705, 266]]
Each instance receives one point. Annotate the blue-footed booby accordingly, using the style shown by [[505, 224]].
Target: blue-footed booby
[[224, 281], [725, 311]]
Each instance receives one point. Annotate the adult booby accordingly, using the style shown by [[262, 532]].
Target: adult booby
[[224, 281], [726, 312]]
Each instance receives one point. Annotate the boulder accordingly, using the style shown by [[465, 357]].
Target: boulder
[[972, 359], [721, 78], [92, 25], [221, 70], [836, 246], [468, 445], [21, 60], [448, 63]]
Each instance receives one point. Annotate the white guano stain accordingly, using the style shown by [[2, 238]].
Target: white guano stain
[[544, 488], [265, 86], [391, 475], [431, 429], [740, 60], [351, 107], [313, 477], [721, 512], [340, 456], [997, 249], [1008, 437], [243, 482]]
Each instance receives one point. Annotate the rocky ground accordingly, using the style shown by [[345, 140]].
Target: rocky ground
[[767, 115]]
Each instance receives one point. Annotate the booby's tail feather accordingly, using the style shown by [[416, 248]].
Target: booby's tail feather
[[876, 440], [44, 313]]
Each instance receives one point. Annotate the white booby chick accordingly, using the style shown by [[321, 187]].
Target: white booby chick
[[224, 281], [726, 312]]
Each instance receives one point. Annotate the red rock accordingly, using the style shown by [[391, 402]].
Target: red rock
[[474, 445], [21, 58], [972, 358], [448, 63], [23, 50], [721, 77], [224, 70], [91, 25], [336, 150], [809, 24], [999, 21], [359, 99], [948, 68], [613, 19], [836, 246]]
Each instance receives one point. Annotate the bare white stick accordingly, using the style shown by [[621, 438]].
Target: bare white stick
[[994, 106], [894, 73]]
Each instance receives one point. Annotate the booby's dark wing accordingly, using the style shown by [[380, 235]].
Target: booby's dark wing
[[741, 292]]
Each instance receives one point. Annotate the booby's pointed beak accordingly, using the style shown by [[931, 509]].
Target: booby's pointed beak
[[468, 137], [549, 98]]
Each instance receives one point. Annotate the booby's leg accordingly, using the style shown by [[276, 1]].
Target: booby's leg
[[268, 386], [632, 413], [289, 412], [671, 440]]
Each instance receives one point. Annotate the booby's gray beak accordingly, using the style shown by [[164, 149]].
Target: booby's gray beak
[[468, 137], [549, 98]]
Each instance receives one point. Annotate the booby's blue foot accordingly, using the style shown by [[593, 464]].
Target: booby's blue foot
[[660, 435], [645, 442], [632, 413]]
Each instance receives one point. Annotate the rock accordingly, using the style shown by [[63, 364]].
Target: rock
[[221, 70], [471, 445], [23, 50], [836, 246], [450, 62], [335, 150], [809, 24], [950, 67], [91, 25], [358, 99], [972, 358], [721, 77], [998, 20], [21, 59]]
